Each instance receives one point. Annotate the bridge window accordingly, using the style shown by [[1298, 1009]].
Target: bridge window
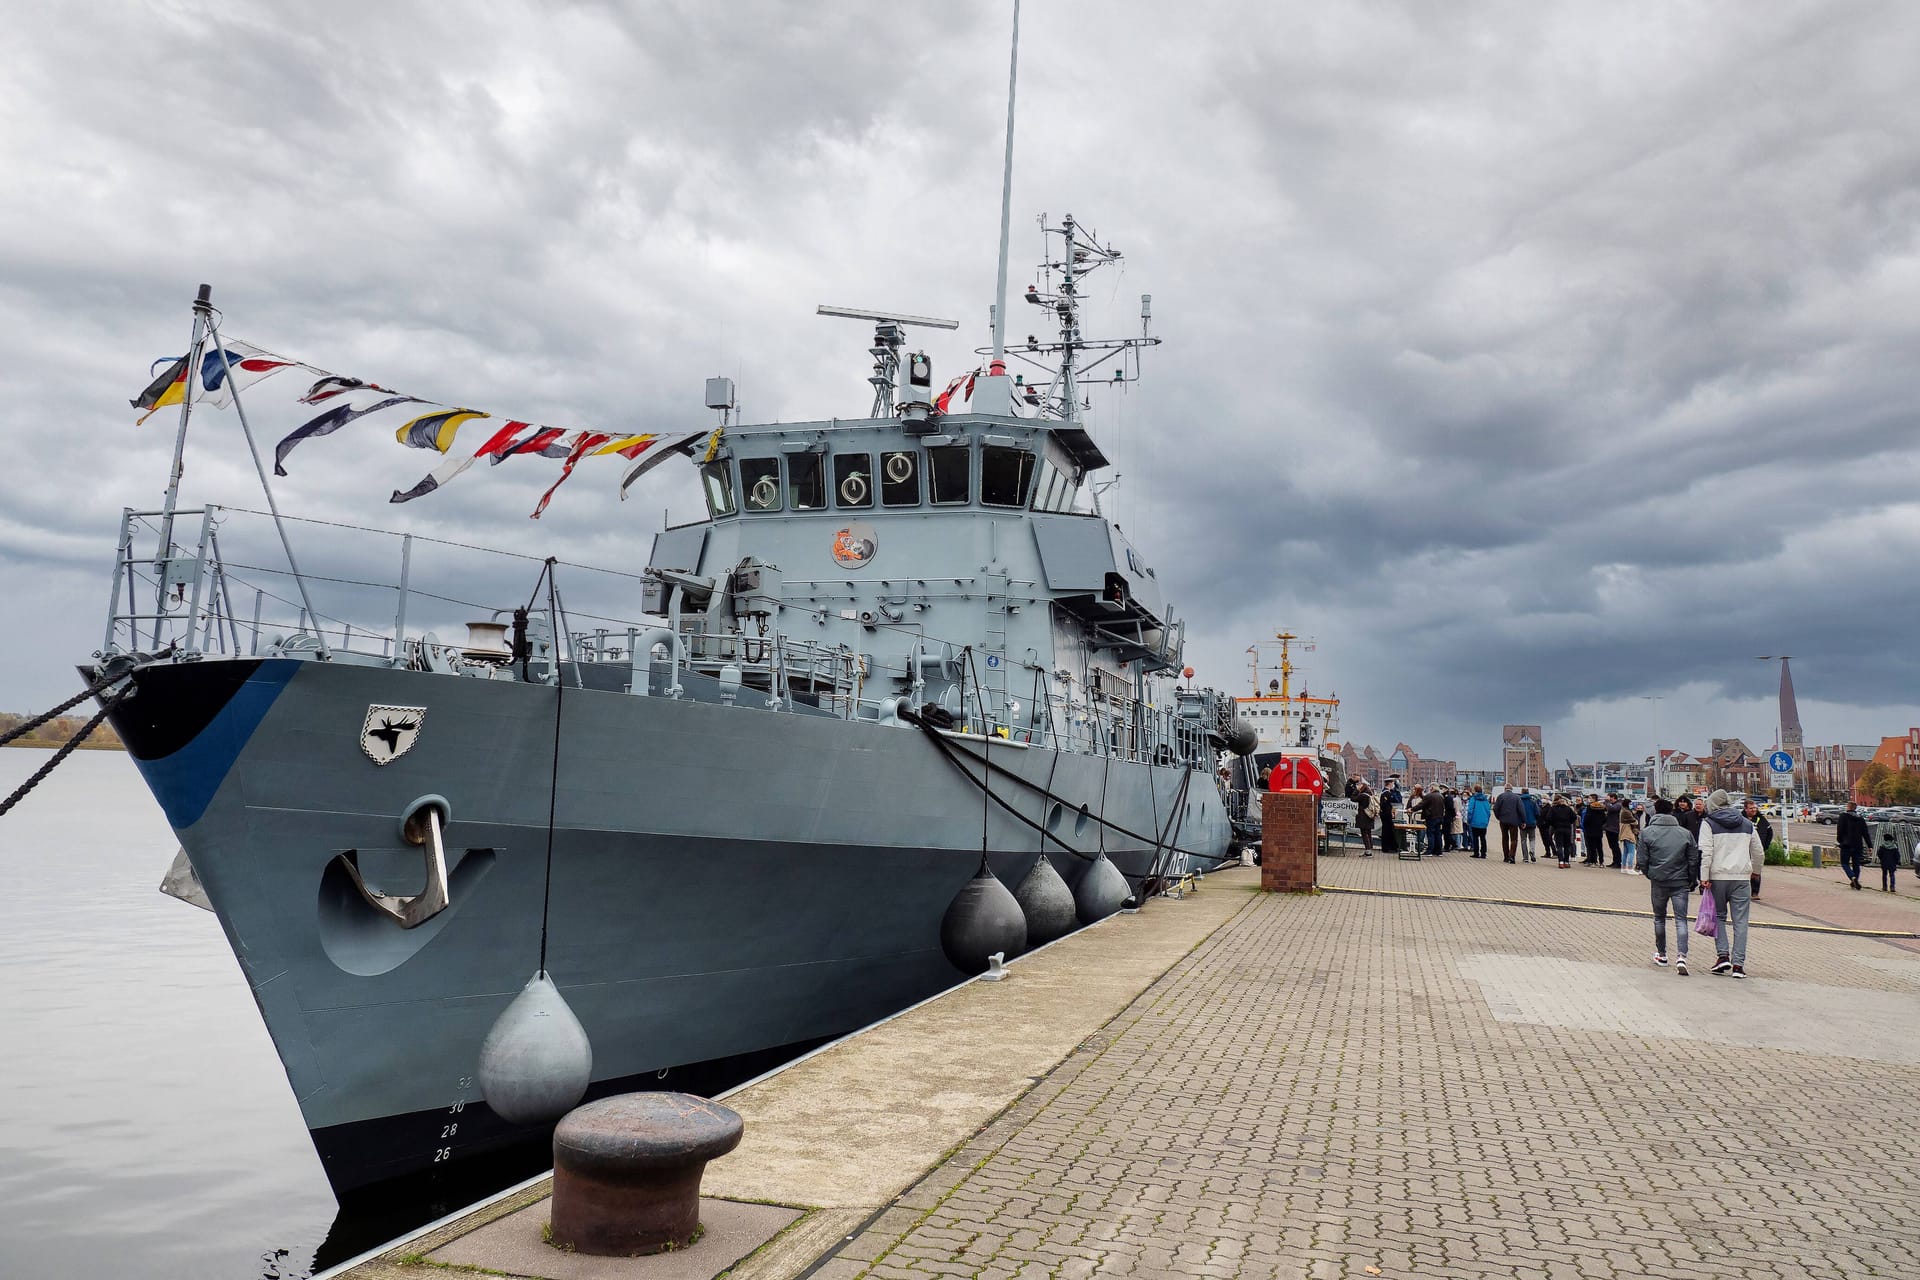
[[853, 479], [900, 479], [760, 481], [1055, 491], [948, 464], [718, 480], [1004, 474], [807, 480]]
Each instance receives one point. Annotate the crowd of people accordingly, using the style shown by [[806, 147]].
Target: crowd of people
[[1710, 846]]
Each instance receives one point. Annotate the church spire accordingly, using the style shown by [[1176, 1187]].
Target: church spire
[[1789, 710]]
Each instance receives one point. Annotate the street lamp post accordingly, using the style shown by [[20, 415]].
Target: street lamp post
[[1659, 789]]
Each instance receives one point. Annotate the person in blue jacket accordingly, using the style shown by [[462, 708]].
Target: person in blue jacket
[[1479, 814], [1529, 822]]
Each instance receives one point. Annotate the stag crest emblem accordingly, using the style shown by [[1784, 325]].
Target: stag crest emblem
[[390, 732]]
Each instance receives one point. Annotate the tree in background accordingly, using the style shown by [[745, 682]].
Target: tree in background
[[1873, 781], [1882, 785], [55, 732]]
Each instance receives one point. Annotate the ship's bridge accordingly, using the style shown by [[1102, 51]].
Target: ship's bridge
[[873, 521]]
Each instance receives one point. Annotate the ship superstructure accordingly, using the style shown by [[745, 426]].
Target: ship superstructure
[[1283, 723], [1286, 722]]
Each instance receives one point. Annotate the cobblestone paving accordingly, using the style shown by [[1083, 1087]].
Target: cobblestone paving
[[1340, 1086]]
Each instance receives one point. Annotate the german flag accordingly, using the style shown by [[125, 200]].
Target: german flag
[[168, 388]]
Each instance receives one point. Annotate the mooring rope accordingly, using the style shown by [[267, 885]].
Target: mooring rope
[[913, 718], [21, 730], [86, 730]]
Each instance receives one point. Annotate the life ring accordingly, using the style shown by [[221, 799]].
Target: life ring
[[853, 490], [764, 493], [899, 467]]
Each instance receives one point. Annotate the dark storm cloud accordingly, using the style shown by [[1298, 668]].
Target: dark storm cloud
[[1535, 357]]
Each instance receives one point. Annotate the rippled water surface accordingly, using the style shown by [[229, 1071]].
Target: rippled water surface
[[146, 1127]]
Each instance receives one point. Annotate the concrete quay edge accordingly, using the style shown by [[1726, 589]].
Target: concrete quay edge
[[845, 1132]]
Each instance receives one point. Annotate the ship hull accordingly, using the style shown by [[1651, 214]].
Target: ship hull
[[714, 884]]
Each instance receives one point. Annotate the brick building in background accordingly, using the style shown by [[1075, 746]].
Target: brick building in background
[[1833, 771], [1406, 764], [1902, 751], [1523, 756], [1364, 766], [1732, 764], [1415, 770]]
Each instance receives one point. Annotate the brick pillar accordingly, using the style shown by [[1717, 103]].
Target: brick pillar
[[1288, 843]]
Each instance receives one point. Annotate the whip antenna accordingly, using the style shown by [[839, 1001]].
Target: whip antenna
[[1006, 209]]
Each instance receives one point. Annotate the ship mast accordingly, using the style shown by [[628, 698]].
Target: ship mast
[[1080, 254], [998, 366]]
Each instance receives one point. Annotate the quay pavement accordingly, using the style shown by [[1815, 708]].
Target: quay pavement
[[1361, 1083]]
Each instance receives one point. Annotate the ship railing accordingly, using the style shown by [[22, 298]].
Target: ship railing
[[210, 581], [774, 670]]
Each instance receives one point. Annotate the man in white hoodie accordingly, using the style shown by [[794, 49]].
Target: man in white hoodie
[[1730, 856]]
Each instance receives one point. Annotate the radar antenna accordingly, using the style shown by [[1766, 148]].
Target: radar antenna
[[1060, 289], [888, 334]]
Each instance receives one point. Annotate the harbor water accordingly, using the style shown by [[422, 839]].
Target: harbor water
[[146, 1126]]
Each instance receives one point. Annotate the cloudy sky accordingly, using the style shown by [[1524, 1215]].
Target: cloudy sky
[[1538, 359]]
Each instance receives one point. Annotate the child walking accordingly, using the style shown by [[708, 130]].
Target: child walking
[[1889, 860]]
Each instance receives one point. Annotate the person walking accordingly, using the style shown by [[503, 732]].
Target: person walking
[[1889, 852], [1672, 863], [1851, 832], [1764, 829], [1529, 822], [1560, 821], [1593, 827], [1729, 853], [1613, 806], [1630, 840], [1479, 814], [1508, 812]]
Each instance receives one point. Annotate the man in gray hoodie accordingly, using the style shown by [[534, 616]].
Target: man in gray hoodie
[[1730, 856], [1672, 862]]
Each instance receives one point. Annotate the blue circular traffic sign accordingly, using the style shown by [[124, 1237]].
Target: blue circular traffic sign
[[1780, 762]]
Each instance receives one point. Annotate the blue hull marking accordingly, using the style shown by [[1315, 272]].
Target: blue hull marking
[[184, 782]]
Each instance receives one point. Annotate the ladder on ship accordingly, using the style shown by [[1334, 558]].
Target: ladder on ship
[[993, 659]]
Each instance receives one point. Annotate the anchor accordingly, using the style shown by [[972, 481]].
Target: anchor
[[420, 825]]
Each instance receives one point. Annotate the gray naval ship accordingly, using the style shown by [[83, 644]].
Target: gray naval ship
[[904, 662]]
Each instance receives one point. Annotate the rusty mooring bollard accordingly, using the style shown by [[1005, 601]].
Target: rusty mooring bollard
[[626, 1171]]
